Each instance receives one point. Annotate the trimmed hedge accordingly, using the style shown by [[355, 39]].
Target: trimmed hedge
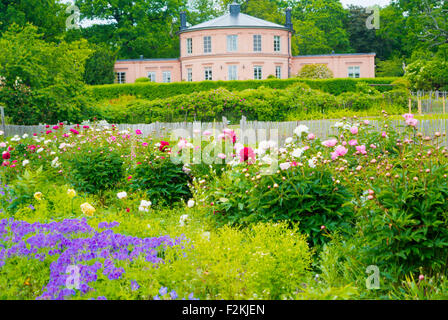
[[263, 104], [152, 91]]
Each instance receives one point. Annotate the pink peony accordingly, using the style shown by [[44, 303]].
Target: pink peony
[[354, 130], [353, 142], [411, 122], [339, 151], [361, 149], [311, 136], [408, 116], [330, 143], [74, 131], [247, 154], [138, 132], [6, 155]]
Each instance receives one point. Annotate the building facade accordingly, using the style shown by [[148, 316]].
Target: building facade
[[237, 46]]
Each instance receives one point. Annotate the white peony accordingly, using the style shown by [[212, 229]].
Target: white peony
[[297, 153], [122, 195], [190, 203], [285, 166], [183, 219], [301, 129]]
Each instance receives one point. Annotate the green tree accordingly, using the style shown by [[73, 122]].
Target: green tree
[[41, 82], [390, 68], [99, 67], [137, 27], [47, 15]]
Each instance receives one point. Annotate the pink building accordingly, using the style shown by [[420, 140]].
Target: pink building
[[237, 46]]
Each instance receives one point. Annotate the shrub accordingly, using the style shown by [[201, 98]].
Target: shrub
[[405, 225], [307, 196], [164, 182], [143, 79], [152, 91], [315, 71], [96, 169]]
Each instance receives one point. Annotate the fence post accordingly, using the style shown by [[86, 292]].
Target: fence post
[[444, 103], [410, 104], [419, 101], [2, 110]]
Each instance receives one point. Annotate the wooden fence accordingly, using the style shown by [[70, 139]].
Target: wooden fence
[[428, 102], [262, 130]]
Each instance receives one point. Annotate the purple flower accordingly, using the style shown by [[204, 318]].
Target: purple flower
[[163, 291], [134, 285], [173, 295]]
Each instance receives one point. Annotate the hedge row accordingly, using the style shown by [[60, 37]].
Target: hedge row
[[263, 104], [152, 91]]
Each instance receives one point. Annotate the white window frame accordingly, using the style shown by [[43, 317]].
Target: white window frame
[[233, 72], [278, 72], [120, 77], [208, 74], [354, 72], [189, 74], [257, 43], [258, 72], [189, 45], [277, 44], [207, 44], [166, 76], [152, 76], [232, 42]]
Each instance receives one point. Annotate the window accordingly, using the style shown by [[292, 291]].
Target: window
[[152, 76], [208, 73], [233, 72], [354, 72], [232, 43], [120, 77], [278, 72], [167, 76], [207, 44], [189, 74], [189, 46], [277, 43], [257, 43], [258, 73]]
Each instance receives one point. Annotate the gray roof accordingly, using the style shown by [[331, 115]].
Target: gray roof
[[336, 55], [235, 21], [145, 59]]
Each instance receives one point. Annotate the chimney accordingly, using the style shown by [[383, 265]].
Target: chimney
[[235, 9], [183, 21], [288, 23]]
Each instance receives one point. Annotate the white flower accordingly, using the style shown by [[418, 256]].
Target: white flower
[[25, 136], [55, 162], [143, 209], [297, 153], [183, 219], [312, 162], [282, 150], [62, 145], [301, 129], [1, 133], [122, 195], [15, 138], [145, 204], [339, 124], [289, 140], [25, 162], [267, 159], [285, 166], [47, 141], [190, 203], [206, 235]]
